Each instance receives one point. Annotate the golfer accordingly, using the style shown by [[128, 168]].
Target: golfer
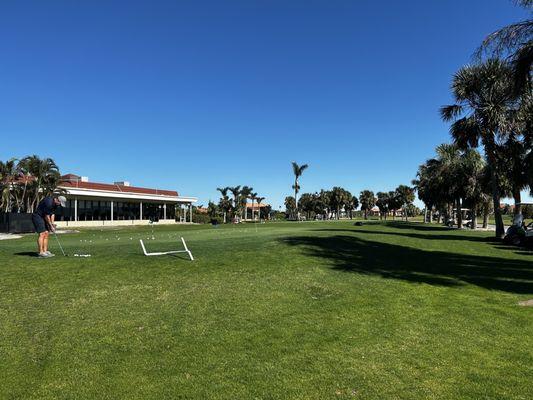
[[43, 221]]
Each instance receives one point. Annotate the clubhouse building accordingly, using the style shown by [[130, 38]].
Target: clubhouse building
[[104, 204]]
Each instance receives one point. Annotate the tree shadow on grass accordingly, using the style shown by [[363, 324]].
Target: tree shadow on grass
[[412, 235], [353, 254], [418, 226]]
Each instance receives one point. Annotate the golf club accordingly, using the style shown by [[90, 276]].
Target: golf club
[[59, 243]]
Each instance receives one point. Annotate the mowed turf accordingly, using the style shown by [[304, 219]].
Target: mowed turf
[[272, 311]]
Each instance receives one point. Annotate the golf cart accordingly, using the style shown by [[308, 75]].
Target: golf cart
[[466, 216], [520, 233]]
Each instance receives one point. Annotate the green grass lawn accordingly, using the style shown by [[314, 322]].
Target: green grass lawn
[[274, 311]]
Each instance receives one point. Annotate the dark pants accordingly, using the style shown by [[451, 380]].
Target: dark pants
[[39, 223]]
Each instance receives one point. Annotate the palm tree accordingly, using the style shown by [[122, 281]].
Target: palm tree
[[383, 204], [483, 96], [259, 200], [339, 198], [353, 204], [298, 171], [8, 174], [473, 176], [236, 192], [406, 196], [252, 197], [46, 178], [430, 185], [212, 209], [290, 205], [245, 194], [367, 200], [512, 159], [225, 202], [450, 174], [516, 41]]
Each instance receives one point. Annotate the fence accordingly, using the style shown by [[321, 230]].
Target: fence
[[16, 223]]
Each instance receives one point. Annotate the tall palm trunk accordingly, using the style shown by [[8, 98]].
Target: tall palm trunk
[[517, 200], [486, 207], [296, 197], [473, 224], [491, 156], [459, 213]]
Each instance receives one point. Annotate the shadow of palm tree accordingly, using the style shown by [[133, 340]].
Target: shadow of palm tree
[[353, 254], [413, 235], [417, 226]]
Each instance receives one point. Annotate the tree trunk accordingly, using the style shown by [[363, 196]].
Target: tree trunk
[[473, 224], [517, 200], [486, 207], [500, 229], [366, 214], [296, 198], [459, 214], [449, 214]]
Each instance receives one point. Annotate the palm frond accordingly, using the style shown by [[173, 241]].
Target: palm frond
[[465, 132], [450, 112], [522, 65], [507, 39]]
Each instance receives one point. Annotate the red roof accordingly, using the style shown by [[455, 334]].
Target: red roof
[[249, 205], [68, 181]]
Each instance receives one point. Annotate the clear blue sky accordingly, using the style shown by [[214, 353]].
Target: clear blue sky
[[191, 95]]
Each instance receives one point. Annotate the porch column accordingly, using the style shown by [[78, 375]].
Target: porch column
[[165, 211], [112, 210], [75, 208], [141, 210], [190, 208]]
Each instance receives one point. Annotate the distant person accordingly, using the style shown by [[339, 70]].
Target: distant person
[[43, 221]]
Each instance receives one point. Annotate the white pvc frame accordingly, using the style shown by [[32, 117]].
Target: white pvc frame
[[162, 253]]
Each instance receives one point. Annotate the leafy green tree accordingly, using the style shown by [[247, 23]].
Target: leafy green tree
[[351, 205], [450, 174], [382, 202], [427, 188], [512, 161], [394, 203], [475, 185], [290, 206], [339, 198], [406, 196], [484, 96], [212, 209], [367, 200], [322, 203], [307, 204]]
